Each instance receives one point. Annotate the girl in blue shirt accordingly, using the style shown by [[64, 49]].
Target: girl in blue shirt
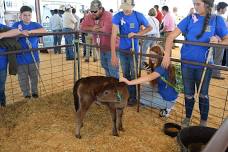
[[159, 78], [199, 27]]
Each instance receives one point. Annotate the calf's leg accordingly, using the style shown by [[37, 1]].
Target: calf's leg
[[113, 114]]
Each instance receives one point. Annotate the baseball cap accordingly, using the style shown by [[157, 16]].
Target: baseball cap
[[95, 5], [127, 4], [68, 6]]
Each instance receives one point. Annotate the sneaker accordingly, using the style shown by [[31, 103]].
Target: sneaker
[[185, 123], [146, 67], [34, 95], [3, 104], [203, 123], [86, 60], [164, 112], [94, 60], [27, 97]]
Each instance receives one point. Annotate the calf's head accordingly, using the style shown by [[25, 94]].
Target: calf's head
[[115, 93]]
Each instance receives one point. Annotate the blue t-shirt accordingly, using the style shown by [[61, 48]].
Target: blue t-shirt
[[167, 92], [3, 58], [128, 24], [191, 26], [26, 58]]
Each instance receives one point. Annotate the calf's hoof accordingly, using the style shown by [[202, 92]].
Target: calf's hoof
[[78, 136], [114, 133], [121, 129]]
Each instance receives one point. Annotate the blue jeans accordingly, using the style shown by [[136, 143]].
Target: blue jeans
[[3, 75], [69, 40], [111, 71], [127, 65], [146, 45], [191, 78], [57, 41]]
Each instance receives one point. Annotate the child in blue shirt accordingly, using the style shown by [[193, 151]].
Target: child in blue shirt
[[27, 70], [4, 62], [199, 27], [162, 79], [128, 22]]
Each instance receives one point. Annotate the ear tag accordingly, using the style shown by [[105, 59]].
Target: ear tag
[[118, 96]]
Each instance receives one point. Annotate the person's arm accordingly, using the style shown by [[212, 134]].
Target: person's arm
[[143, 79], [224, 40], [141, 32], [168, 47], [114, 59], [39, 30], [10, 33]]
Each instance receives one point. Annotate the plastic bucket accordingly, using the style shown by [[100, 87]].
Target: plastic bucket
[[194, 138]]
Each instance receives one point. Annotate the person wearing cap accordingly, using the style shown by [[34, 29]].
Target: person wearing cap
[[100, 20], [128, 22], [69, 22], [219, 52]]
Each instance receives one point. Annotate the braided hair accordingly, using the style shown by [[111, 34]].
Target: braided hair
[[208, 4]]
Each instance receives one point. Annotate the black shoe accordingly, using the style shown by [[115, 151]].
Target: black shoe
[[132, 102], [94, 60], [27, 97], [34, 95], [86, 60], [146, 67], [3, 104]]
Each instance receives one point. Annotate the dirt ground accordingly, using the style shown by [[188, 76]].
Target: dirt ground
[[48, 124]]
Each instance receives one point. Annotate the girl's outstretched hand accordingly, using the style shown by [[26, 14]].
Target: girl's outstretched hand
[[122, 79]]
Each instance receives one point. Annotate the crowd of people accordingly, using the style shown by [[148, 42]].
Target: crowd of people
[[200, 25]]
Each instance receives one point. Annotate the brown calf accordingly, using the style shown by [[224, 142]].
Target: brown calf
[[106, 90]]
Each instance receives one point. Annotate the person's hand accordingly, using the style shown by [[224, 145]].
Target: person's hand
[[130, 35], [1, 36], [114, 61], [214, 39], [166, 61], [25, 32], [122, 79], [96, 28]]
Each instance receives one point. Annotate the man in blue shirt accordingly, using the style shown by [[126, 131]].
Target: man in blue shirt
[[4, 62], [128, 22]]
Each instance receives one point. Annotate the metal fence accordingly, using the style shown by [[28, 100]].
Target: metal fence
[[58, 74]]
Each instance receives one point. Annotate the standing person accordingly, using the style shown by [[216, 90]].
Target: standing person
[[154, 23], [159, 15], [128, 22], [69, 22], [4, 62], [168, 21], [27, 70], [101, 21], [77, 25], [219, 52], [201, 27], [83, 34], [56, 26]]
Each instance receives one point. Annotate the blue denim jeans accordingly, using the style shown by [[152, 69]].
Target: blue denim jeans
[[146, 45], [69, 40], [57, 41], [3, 75], [127, 65], [191, 78], [111, 71]]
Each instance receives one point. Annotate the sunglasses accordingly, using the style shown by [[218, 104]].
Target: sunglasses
[[94, 12]]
